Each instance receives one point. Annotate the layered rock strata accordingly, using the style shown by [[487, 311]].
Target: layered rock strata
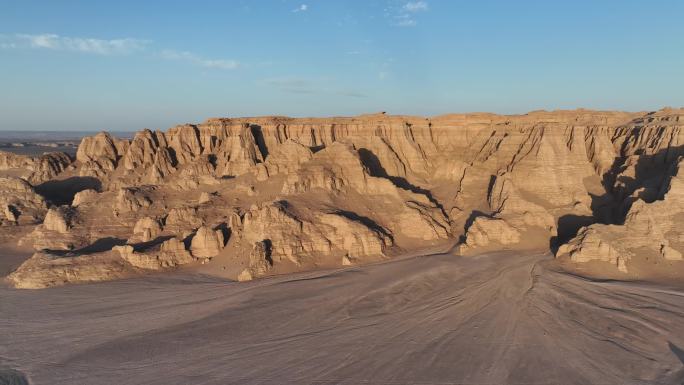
[[267, 195]]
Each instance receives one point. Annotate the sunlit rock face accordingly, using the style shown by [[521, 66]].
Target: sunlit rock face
[[248, 197]]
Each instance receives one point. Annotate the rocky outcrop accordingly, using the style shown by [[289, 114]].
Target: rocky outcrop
[[152, 157], [20, 203], [36, 169], [170, 253], [173, 252], [132, 199], [58, 219], [146, 229], [334, 168], [98, 147], [490, 232], [84, 196], [45, 270], [183, 219], [324, 192], [421, 221], [259, 261], [651, 232], [205, 197], [339, 170], [290, 237], [193, 175], [48, 166], [207, 242], [141, 152], [512, 217], [297, 240], [99, 154], [55, 233], [590, 245], [507, 203], [355, 238], [238, 153], [285, 159]]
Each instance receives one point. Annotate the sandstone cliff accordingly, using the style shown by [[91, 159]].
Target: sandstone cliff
[[256, 196], [651, 239]]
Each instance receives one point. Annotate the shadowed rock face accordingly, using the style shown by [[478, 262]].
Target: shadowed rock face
[[651, 231], [323, 192]]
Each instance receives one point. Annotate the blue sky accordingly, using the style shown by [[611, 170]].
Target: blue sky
[[125, 65]]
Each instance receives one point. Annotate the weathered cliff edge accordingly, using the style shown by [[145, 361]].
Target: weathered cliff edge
[[250, 197]]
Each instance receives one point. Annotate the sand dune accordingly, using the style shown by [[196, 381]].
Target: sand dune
[[438, 319]]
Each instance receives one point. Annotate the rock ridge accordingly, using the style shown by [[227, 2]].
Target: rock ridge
[[247, 197]]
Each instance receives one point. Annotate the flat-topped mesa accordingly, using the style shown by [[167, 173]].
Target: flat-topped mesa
[[268, 195]]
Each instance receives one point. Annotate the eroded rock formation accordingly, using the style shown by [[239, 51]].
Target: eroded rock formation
[[207, 242], [260, 262], [20, 203], [651, 237], [270, 195], [36, 169]]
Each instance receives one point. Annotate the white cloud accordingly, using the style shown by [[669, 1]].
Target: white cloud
[[403, 14], [301, 8], [50, 41], [405, 22], [415, 6], [75, 44], [221, 64]]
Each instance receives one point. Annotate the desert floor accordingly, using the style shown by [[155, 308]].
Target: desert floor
[[501, 318]]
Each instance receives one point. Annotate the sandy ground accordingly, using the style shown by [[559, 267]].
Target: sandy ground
[[440, 319], [11, 257]]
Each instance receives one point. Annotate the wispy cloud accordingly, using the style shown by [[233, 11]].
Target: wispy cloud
[[403, 14], [190, 57], [301, 8], [75, 44], [405, 21], [54, 42], [415, 6]]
